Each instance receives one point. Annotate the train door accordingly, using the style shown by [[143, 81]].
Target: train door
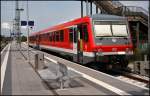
[[80, 43], [75, 39], [78, 54], [78, 40]]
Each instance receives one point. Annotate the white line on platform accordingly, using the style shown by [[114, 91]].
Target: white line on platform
[[107, 86], [52, 60], [4, 49], [101, 83], [3, 67]]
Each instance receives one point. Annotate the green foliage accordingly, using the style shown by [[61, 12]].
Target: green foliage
[[140, 52], [137, 54], [4, 41], [23, 38]]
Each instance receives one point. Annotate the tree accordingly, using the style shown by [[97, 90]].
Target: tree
[[23, 38]]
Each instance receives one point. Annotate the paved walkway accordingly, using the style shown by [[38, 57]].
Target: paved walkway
[[79, 86], [111, 83], [20, 78]]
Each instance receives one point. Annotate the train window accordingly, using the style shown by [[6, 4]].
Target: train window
[[50, 36], [53, 36], [44, 36], [47, 36], [75, 35], [102, 30], [71, 34], [40, 37], [57, 36], [119, 30], [33, 37], [62, 35], [80, 30], [85, 33]]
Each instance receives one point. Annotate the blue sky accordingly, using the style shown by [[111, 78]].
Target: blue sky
[[49, 13]]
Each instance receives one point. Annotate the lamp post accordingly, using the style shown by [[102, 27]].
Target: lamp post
[[87, 8], [17, 22], [149, 25], [81, 8], [28, 30], [149, 31]]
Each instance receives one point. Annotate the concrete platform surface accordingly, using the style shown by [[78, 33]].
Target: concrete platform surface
[[119, 86], [20, 77]]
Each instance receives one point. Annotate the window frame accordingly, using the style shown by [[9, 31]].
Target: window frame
[[61, 35], [85, 33], [71, 34], [50, 37], [57, 36]]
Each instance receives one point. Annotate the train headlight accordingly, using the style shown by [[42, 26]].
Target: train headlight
[[100, 52], [129, 51], [114, 49]]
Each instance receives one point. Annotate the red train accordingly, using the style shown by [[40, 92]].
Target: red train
[[96, 38]]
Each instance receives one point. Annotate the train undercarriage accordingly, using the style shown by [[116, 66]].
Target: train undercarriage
[[104, 62]]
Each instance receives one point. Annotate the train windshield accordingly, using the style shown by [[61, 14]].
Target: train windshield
[[119, 30], [107, 29], [102, 30]]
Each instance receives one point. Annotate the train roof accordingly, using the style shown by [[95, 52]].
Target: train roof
[[63, 25], [106, 17], [94, 17]]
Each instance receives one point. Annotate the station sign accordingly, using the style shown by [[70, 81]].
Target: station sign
[[12, 33], [16, 33], [25, 23], [31, 23]]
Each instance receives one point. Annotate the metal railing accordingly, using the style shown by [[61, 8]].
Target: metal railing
[[131, 9], [117, 8], [117, 3], [136, 9]]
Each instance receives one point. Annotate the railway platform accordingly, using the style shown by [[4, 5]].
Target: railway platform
[[19, 77]]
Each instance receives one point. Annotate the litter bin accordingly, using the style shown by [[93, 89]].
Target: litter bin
[[137, 67], [39, 60]]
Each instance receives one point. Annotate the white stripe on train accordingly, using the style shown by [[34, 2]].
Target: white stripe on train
[[89, 54]]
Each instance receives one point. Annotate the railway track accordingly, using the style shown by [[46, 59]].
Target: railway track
[[133, 78], [127, 77]]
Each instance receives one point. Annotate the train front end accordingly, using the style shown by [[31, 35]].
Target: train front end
[[112, 41]]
